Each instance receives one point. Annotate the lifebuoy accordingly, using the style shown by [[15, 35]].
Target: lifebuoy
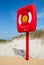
[[29, 20]]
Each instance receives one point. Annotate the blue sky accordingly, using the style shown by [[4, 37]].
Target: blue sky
[[8, 11]]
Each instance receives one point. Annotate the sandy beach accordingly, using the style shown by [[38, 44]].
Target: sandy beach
[[13, 53], [17, 48], [8, 60]]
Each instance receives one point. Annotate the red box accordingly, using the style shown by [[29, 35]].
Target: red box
[[26, 18]]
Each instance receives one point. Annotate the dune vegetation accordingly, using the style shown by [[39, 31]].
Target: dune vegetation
[[4, 41], [39, 34], [35, 34]]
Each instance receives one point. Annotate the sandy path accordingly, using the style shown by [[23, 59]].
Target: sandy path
[[4, 60]]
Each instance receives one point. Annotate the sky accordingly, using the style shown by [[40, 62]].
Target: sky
[[8, 12]]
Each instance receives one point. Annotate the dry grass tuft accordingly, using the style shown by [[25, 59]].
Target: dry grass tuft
[[36, 34]]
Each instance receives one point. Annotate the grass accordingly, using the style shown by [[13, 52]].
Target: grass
[[39, 34], [4, 41], [19, 36], [36, 34]]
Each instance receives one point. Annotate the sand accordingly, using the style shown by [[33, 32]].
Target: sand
[[17, 47], [13, 53], [9, 60]]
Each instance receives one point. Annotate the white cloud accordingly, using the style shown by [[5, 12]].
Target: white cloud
[[40, 27], [3, 33], [40, 15]]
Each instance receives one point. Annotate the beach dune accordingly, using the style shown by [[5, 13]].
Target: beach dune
[[13, 52]]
